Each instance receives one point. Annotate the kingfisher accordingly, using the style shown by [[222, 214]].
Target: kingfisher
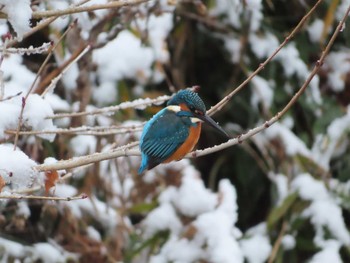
[[174, 131]]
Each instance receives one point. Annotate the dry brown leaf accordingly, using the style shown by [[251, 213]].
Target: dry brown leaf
[[2, 183], [51, 178]]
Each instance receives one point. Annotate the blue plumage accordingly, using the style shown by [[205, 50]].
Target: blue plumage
[[161, 137], [190, 98]]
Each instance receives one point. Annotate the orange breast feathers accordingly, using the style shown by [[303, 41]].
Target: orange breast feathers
[[188, 145]]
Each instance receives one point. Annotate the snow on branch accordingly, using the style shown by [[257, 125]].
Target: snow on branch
[[27, 51], [136, 104]]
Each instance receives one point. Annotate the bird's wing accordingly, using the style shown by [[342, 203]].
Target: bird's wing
[[163, 135]]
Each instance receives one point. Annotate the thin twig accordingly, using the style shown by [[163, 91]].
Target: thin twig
[[226, 99], [124, 105], [29, 50], [80, 9], [278, 242], [2, 83], [99, 131], [47, 198], [11, 97]]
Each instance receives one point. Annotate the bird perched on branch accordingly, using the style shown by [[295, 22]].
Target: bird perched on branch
[[175, 130]]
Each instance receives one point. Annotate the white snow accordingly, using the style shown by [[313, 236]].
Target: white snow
[[47, 253], [281, 182], [231, 9], [57, 104], [214, 233], [11, 248], [18, 177], [7, 117], [158, 29], [83, 144], [178, 250], [341, 9], [310, 188], [93, 233], [288, 242], [34, 115], [315, 30], [43, 252], [254, 11], [291, 62], [263, 45], [124, 57], [262, 92], [216, 230], [234, 10], [330, 253], [256, 245], [293, 145], [19, 13], [69, 78], [23, 209], [333, 143], [192, 198], [233, 46], [12, 67], [106, 93], [161, 218], [62, 21], [323, 210], [35, 112], [338, 63], [256, 249]]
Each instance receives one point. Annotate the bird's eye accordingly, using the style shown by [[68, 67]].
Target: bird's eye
[[192, 109], [198, 112]]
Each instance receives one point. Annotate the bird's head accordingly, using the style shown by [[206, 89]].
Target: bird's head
[[187, 103]]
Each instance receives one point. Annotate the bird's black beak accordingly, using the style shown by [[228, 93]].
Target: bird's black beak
[[213, 124]]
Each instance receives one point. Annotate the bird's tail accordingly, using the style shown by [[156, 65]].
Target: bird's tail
[[144, 164]]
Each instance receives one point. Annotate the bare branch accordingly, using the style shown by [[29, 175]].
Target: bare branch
[[46, 198], [80, 9], [84, 130], [28, 51], [139, 103], [92, 158]]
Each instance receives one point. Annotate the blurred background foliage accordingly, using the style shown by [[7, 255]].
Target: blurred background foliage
[[198, 55]]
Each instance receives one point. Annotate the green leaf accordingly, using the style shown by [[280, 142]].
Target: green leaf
[[138, 245], [278, 212], [310, 166], [142, 207]]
